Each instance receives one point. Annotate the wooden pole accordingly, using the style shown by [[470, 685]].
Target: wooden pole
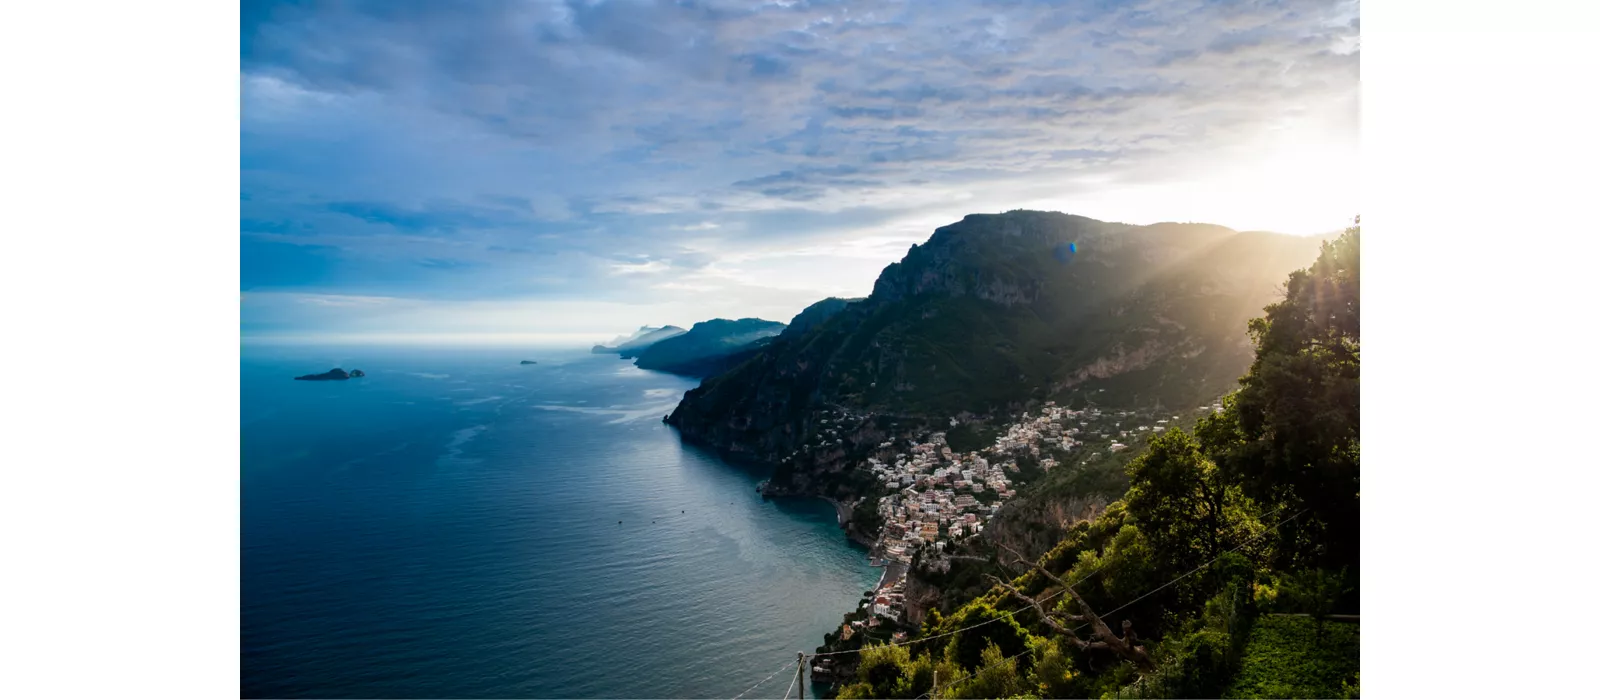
[[801, 681]]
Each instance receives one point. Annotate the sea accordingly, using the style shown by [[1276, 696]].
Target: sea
[[456, 524]]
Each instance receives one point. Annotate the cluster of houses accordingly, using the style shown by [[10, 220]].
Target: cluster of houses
[[1139, 431], [833, 426], [887, 603], [937, 496]]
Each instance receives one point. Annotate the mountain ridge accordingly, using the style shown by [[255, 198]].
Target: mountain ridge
[[994, 312], [627, 345], [708, 347]]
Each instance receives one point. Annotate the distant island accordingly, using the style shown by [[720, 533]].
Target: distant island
[[332, 374], [529, 362]]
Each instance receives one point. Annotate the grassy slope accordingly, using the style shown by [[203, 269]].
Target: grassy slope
[[1284, 659]]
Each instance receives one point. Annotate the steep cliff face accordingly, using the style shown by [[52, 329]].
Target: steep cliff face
[[992, 312]]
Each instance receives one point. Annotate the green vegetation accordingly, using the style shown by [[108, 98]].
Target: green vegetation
[[1286, 658], [814, 315], [970, 437], [865, 516], [1222, 531]]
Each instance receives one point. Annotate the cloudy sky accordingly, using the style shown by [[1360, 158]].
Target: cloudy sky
[[561, 172]]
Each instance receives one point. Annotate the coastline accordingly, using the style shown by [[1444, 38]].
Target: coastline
[[839, 509], [844, 512]]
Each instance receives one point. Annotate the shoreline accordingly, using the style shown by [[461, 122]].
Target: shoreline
[[839, 510], [844, 512]]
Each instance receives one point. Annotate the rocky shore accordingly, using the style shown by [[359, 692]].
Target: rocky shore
[[865, 539], [841, 509]]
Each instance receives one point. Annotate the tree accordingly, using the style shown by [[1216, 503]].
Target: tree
[[1128, 567], [967, 647], [1182, 502], [1313, 592], [1055, 675], [1062, 622], [1292, 433], [883, 671], [996, 677], [856, 691]]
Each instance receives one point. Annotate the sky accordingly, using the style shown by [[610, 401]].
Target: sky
[[560, 173]]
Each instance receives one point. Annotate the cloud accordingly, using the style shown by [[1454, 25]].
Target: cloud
[[544, 149], [643, 268]]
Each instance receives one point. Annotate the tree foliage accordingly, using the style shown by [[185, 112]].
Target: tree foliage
[[997, 677], [1183, 504], [998, 629], [1292, 433]]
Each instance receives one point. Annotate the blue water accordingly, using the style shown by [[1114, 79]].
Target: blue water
[[447, 526]]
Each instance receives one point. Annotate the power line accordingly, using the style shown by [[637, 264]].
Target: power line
[[1142, 597], [764, 680], [1012, 613], [791, 685], [1202, 566], [946, 634]]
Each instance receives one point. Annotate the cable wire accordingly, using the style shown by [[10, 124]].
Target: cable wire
[[1192, 571], [1012, 613], [1135, 600], [764, 680], [791, 684]]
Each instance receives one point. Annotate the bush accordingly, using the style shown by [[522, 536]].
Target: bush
[[1200, 660], [996, 677], [1285, 659], [967, 647], [1055, 675], [1313, 592]]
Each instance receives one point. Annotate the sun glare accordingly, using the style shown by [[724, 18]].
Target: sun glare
[[1301, 188], [1297, 184]]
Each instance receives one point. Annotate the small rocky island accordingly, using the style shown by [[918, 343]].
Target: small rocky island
[[332, 374], [529, 362]]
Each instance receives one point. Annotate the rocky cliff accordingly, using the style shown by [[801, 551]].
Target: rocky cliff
[[991, 313]]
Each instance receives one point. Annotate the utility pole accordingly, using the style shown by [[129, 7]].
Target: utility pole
[[935, 691], [801, 679]]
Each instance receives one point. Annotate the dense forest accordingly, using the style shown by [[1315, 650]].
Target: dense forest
[[1229, 568]]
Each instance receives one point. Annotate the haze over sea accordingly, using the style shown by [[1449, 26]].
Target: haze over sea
[[447, 526]]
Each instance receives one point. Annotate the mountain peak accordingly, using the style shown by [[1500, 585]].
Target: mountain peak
[[1000, 309]]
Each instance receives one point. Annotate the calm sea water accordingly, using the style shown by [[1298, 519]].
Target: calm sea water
[[448, 527]]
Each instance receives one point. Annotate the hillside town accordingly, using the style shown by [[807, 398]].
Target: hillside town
[[937, 497]]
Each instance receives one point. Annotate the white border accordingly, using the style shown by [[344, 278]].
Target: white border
[[120, 503]]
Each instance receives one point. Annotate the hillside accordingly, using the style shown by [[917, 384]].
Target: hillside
[[815, 315], [709, 347], [631, 344], [1228, 565], [999, 310]]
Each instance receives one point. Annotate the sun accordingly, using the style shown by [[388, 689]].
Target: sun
[[1300, 188], [1294, 181]]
